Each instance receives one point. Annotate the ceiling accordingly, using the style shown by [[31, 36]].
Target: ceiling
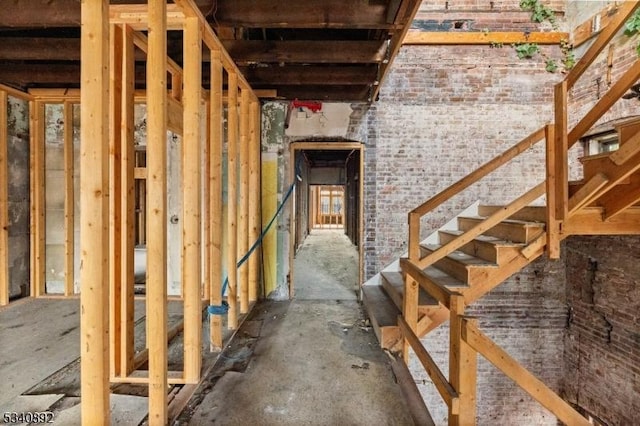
[[326, 50]]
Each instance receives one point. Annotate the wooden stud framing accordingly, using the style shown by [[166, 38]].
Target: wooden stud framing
[[191, 185], [463, 366], [4, 202], [254, 197], [68, 200], [94, 204], [243, 200], [127, 193], [36, 166], [115, 200], [482, 38], [156, 286], [409, 311], [232, 195], [215, 200]]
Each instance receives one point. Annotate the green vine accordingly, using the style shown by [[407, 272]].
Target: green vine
[[632, 27], [541, 13]]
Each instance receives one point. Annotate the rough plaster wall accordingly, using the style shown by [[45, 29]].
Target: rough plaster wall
[[602, 347], [18, 195]]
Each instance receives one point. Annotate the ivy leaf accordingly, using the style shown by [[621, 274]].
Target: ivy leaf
[[551, 66]]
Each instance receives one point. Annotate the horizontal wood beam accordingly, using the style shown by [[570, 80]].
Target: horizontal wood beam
[[589, 221], [482, 38], [311, 52], [336, 93], [302, 14], [316, 75], [58, 13]]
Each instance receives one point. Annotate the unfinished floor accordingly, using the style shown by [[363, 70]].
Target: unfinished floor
[[302, 362]]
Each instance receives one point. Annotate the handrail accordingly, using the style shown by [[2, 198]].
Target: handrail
[[438, 292], [465, 182], [624, 12], [497, 217]]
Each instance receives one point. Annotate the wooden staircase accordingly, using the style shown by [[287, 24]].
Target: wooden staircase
[[484, 245]]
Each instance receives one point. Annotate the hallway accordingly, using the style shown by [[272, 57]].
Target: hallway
[[310, 361]]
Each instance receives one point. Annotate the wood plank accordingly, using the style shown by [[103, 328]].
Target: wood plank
[[4, 200], [254, 198], [232, 196], [15, 92], [309, 74], [337, 93], [278, 14], [614, 93], [38, 231], [446, 391], [560, 153], [215, 201], [625, 11], [246, 52], [128, 203], [191, 203], [587, 192], [156, 285], [463, 367], [115, 199], [94, 204], [594, 25], [589, 221], [243, 201], [627, 150], [552, 168], [409, 312], [521, 376], [137, 16], [440, 293], [69, 202], [483, 226], [175, 116], [481, 37], [621, 197]]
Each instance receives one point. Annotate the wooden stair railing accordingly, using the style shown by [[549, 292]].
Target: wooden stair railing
[[466, 340]]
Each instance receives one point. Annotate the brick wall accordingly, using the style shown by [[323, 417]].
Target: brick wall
[[602, 346]]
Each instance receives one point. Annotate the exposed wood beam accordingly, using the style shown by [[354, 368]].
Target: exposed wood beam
[[594, 25], [588, 221], [311, 52], [621, 197], [58, 13], [324, 93], [482, 38], [303, 14], [316, 75]]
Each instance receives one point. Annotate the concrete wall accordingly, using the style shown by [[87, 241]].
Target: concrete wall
[[18, 196]]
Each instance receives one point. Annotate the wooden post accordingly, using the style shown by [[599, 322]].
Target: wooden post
[[38, 232], [115, 200], [191, 187], [410, 311], [553, 225], [215, 200], [128, 203], [463, 367], [232, 199], [94, 204], [4, 201], [254, 197], [68, 200], [243, 210], [157, 211]]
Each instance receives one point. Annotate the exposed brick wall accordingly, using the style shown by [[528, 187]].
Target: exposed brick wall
[[602, 346]]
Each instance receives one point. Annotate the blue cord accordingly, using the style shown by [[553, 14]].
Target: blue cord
[[224, 307]]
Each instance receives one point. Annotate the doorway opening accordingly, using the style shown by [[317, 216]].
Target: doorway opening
[[326, 255]]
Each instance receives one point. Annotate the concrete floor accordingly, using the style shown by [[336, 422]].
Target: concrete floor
[[310, 361]]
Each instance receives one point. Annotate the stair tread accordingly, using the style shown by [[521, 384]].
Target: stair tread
[[385, 311], [444, 279], [462, 257], [485, 238], [509, 221], [395, 279]]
